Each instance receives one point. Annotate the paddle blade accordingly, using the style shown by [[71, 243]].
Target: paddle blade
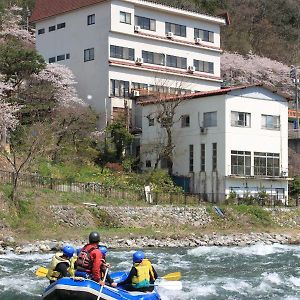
[[172, 276], [169, 285], [41, 272]]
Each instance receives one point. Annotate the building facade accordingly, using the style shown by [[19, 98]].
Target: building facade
[[232, 140], [121, 48]]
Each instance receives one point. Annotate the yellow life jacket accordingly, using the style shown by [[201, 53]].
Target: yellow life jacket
[[147, 262], [143, 275], [72, 265], [57, 258]]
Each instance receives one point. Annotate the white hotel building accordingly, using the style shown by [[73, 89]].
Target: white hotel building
[[116, 47], [228, 140]]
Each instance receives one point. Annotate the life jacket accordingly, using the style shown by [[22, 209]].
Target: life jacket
[[57, 258], [72, 266], [147, 262], [142, 279], [84, 261]]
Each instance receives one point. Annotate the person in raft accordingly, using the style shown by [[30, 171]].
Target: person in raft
[[89, 259], [142, 274], [60, 265], [105, 266]]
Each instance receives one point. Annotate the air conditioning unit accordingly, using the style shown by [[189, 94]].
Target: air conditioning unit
[[203, 130], [198, 40], [170, 34], [135, 93], [139, 60], [137, 28], [191, 69]]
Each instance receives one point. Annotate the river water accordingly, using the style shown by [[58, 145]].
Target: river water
[[254, 272]]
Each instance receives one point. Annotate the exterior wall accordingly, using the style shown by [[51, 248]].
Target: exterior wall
[[217, 184], [92, 76]]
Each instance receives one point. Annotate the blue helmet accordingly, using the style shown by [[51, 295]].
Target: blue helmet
[[78, 250], [103, 250], [138, 256], [68, 251]]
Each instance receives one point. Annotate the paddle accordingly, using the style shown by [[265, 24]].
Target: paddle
[[172, 276], [41, 272], [100, 292]]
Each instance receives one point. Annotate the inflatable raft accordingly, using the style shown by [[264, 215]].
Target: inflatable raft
[[85, 289]]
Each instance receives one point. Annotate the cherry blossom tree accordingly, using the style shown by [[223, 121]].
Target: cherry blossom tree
[[239, 69]]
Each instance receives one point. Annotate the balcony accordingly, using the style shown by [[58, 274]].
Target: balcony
[[256, 172], [294, 134]]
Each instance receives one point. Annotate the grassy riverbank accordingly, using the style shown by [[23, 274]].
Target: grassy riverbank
[[46, 214]]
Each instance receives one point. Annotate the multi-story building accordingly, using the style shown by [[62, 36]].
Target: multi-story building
[[228, 140], [117, 48]]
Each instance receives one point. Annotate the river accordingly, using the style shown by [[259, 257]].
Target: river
[[254, 272]]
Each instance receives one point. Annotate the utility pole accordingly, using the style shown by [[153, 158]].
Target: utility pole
[[294, 76]]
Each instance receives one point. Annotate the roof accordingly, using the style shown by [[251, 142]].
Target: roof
[[221, 91], [48, 8]]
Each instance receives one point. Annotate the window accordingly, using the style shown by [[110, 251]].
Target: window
[[139, 86], [179, 30], [68, 56], [176, 62], [270, 122], [266, 164], [214, 156], [204, 35], [91, 19], [145, 23], [51, 28], [185, 121], [60, 57], [52, 60], [153, 58], [119, 88], [191, 158], [202, 157], [241, 162], [89, 54], [210, 119], [61, 25], [240, 119], [121, 52], [150, 121], [125, 17], [41, 31], [148, 163], [204, 66]]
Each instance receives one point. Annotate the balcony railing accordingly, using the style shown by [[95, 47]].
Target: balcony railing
[[256, 171]]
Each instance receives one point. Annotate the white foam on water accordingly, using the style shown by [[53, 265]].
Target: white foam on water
[[236, 285], [272, 278], [295, 281], [259, 249], [25, 257]]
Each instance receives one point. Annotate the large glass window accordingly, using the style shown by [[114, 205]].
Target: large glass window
[[145, 23], [179, 30], [266, 164], [210, 119], [119, 88], [121, 52], [240, 162], [214, 156], [240, 119], [176, 62], [270, 122], [204, 66], [204, 35], [125, 17], [89, 54], [153, 58]]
